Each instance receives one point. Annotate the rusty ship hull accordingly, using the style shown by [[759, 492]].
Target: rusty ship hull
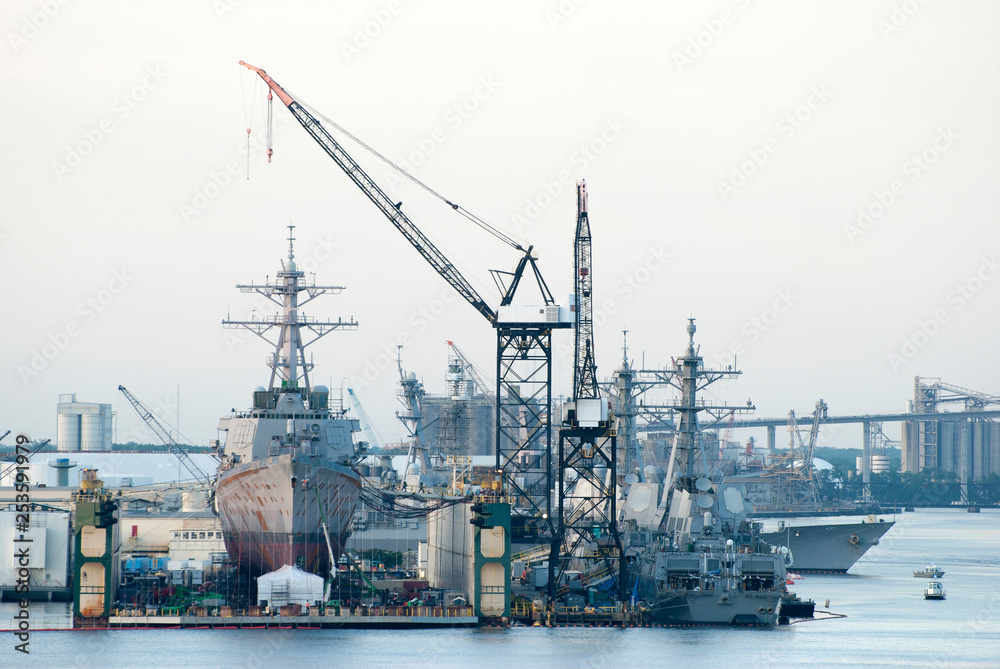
[[272, 512]]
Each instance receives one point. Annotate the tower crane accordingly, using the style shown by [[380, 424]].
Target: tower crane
[[524, 334], [163, 434]]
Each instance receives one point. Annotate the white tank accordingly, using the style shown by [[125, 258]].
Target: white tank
[[91, 432], [68, 430], [194, 501]]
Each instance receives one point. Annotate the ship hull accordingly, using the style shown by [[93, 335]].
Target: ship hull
[[827, 548], [268, 523], [708, 607]]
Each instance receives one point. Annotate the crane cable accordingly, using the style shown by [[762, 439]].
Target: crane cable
[[248, 119], [499, 234]]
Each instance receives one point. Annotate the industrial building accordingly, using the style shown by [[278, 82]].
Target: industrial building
[[967, 447], [82, 426]]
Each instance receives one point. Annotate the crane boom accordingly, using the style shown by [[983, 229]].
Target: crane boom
[[366, 422], [163, 434], [392, 211]]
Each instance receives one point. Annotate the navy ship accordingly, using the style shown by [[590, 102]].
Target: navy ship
[[286, 490], [705, 562], [830, 548]]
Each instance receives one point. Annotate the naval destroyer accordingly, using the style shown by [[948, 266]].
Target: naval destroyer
[[286, 490], [705, 562]]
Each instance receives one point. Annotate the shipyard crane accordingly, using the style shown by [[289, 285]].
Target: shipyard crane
[[588, 459], [366, 423], [163, 434], [474, 373], [524, 334]]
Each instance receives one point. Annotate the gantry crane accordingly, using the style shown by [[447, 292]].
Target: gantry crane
[[163, 434], [524, 334]]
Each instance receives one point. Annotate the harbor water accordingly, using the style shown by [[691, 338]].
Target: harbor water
[[888, 624]]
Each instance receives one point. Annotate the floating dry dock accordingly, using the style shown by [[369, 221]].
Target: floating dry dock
[[362, 617]]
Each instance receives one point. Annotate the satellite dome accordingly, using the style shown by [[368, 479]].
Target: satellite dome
[[260, 389], [652, 473], [320, 389]]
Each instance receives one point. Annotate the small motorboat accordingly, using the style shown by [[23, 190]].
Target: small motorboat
[[933, 571], [934, 590]]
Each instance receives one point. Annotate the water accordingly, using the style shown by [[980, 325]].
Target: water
[[888, 624]]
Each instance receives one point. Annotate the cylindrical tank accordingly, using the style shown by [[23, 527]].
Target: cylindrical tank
[[91, 432], [68, 439], [880, 464], [194, 500]]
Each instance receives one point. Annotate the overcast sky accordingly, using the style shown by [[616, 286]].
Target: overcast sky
[[815, 182]]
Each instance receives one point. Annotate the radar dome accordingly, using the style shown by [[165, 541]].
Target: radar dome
[[320, 389], [260, 389], [652, 473]]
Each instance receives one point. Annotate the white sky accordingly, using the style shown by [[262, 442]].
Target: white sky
[[885, 79]]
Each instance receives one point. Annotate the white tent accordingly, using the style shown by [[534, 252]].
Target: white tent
[[289, 585]]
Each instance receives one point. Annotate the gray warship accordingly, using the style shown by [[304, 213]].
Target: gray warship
[[286, 490], [828, 548], [702, 561]]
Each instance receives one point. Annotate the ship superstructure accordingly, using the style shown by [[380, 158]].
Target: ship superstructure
[[286, 490], [705, 562]]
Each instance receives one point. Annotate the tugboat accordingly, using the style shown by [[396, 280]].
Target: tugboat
[[286, 490], [706, 563]]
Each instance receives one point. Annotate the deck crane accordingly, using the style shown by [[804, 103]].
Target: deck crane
[[163, 434], [524, 334], [588, 458]]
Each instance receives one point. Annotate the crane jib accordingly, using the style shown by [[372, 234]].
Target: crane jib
[[395, 215]]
